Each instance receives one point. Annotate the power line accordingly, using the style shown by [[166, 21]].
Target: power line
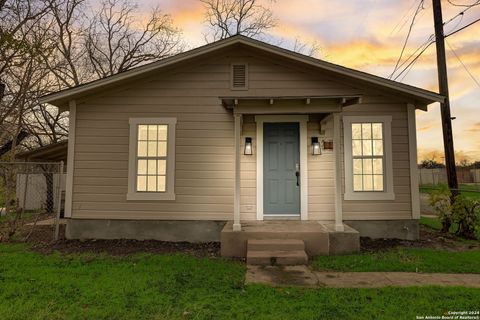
[[461, 13], [463, 64], [462, 5], [410, 65], [403, 19], [465, 26], [419, 7], [431, 38], [414, 60]]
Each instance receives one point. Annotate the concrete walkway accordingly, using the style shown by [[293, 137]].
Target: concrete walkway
[[302, 276]]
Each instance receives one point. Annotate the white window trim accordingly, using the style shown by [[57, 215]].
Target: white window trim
[[132, 165], [388, 194], [302, 120]]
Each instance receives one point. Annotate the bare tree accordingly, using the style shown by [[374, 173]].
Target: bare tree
[[65, 25], [311, 49], [226, 18], [17, 18], [116, 43]]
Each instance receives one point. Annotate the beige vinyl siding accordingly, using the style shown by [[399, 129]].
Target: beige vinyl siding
[[400, 208], [321, 189], [204, 142], [248, 187]]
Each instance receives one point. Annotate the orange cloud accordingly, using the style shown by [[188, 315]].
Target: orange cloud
[[427, 127], [475, 128]]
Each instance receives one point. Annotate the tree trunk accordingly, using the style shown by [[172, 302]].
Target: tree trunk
[[446, 224]]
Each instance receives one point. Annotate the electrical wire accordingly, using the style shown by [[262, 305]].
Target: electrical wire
[[414, 60], [462, 5], [465, 26], [463, 64], [428, 42], [461, 13], [419, 8]]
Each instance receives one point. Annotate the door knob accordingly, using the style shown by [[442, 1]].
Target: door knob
[[297, 173]]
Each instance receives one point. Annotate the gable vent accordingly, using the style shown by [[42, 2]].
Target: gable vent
[[239, 76]]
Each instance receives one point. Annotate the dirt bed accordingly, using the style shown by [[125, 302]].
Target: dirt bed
[[41, 240], [429, 238]]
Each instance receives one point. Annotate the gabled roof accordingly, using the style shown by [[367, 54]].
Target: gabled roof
[[62, 97]]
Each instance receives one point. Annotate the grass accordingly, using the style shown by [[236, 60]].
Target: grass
[[403, 260], [34, 286], [470, 190], [406, 259]]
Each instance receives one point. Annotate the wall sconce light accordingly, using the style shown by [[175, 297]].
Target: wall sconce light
[[248, 147], [316, 146]]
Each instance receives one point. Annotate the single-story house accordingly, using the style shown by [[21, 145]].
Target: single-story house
[[239, 135]]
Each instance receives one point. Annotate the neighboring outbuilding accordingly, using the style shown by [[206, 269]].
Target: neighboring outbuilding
[[244, 132]]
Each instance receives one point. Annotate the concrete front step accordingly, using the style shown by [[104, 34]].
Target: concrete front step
[[275, 244], [277, 257]]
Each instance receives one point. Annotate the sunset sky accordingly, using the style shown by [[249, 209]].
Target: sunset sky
[[368, 35]]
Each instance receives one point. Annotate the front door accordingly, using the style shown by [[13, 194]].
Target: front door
[[281, 169]]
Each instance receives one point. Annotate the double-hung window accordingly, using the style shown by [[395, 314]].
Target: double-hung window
[[151, 159], [368, 158]]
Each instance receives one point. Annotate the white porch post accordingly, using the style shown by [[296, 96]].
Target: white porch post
[[236, 197], [338, 172]]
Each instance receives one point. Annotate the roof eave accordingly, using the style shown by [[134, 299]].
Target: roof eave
[[61, 98]]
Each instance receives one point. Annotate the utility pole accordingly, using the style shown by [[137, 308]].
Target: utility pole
[[445, 106]]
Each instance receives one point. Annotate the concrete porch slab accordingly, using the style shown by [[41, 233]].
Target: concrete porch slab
[[319, 237]]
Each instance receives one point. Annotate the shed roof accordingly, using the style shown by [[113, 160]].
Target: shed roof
[[52, 152]]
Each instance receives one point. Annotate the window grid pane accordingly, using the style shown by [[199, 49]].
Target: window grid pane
[[151, 158], [367, 156]]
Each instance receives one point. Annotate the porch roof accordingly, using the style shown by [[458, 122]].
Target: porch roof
[[282, 104]]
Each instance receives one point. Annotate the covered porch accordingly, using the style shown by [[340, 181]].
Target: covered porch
[[321, 234], [311, 143]]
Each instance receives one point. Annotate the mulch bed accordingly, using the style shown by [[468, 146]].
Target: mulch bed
[[41, 240], [429, 238]]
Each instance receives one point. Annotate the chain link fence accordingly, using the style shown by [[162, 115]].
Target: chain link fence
[[29, 190]]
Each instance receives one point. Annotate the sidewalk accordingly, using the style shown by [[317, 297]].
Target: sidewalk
[[302, 276]]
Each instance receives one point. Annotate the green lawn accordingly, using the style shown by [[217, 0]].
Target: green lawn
[[469, 190], [34, 286], [406, 259], [403, 259]]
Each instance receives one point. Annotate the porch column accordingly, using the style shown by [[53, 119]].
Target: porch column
[[338, 171], [236, 197]]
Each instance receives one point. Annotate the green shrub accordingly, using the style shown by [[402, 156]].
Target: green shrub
[[466, 213], [441, 202]]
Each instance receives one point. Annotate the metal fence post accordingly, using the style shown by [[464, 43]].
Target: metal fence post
[[59, 201]]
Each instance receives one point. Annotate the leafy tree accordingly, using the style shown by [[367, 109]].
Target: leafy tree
[[431, 164]]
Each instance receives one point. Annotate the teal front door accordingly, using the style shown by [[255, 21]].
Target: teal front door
[[281, 167]]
